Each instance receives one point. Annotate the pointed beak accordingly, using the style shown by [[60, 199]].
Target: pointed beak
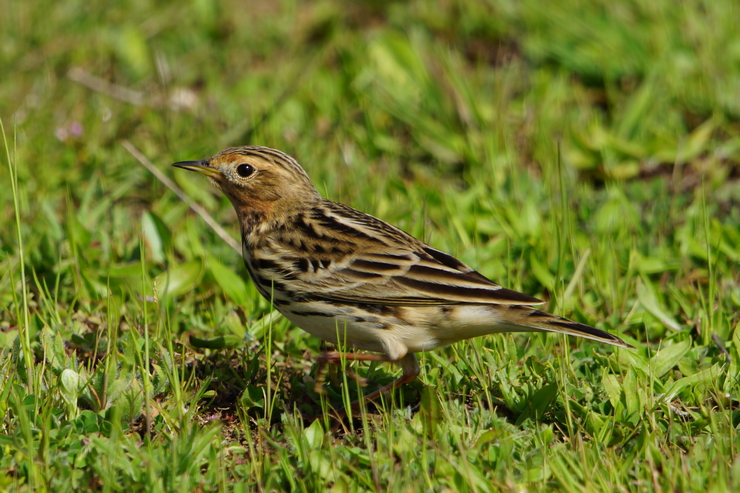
[[199, 166]]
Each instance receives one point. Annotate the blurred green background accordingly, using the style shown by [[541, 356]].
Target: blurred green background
[[583, 151]]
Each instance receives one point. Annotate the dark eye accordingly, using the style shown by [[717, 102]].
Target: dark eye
[[245, 170]]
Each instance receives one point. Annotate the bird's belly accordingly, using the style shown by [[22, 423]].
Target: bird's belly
[[430, 327], [391, 330], [368, 327], [341, 325]]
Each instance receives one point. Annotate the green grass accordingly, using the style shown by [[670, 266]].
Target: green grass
[[585, 152]]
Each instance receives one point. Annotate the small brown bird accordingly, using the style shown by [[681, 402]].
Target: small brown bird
[[345, 276]]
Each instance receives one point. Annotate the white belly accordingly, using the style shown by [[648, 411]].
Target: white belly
[[402, 330]]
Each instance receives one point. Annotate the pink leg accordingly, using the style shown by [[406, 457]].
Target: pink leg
[[335, 358], [408, 363], [410, 367]]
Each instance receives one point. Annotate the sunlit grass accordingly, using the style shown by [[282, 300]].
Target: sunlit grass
[[585, 152]]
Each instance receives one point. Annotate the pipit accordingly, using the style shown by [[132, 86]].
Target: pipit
[[349, 278]]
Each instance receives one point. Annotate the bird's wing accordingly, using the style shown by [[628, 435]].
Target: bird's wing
[[357, 258], [409, 278]]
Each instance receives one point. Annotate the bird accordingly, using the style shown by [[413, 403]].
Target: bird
[[352, 279]]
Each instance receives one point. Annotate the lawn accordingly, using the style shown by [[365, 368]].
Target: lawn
[[586, 152]]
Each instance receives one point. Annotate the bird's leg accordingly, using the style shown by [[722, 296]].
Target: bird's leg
[[335, 358], [409, 365]]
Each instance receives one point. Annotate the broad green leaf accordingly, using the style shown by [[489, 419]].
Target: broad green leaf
[[180, 279], [705, 377], [538, 403], [234, 325], [668, 357], [70, 385], [631, 393], [632, 360], [156, 234], [314, 435], [613, 389], [650, 302], [258, 328], [232, 284], [70, 381], [487, 436], [7, 338], [252, 397], [54, 349]]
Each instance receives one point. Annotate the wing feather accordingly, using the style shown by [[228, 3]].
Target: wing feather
[[421, 279], [373, 262]]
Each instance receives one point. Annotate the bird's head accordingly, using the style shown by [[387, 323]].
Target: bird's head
[[257, 179]]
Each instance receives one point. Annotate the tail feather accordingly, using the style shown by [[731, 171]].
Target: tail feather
[[530, 319]]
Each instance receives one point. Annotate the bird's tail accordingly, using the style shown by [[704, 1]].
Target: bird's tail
[[527, 319]]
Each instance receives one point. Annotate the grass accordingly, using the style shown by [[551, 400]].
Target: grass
[[585, 152]]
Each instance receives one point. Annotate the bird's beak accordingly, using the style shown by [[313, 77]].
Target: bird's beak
[[199, 166]]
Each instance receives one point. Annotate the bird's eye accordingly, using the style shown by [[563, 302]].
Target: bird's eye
[[244, 170]]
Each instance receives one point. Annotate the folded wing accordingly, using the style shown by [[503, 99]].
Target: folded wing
[[361, 259], [406, 277]]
